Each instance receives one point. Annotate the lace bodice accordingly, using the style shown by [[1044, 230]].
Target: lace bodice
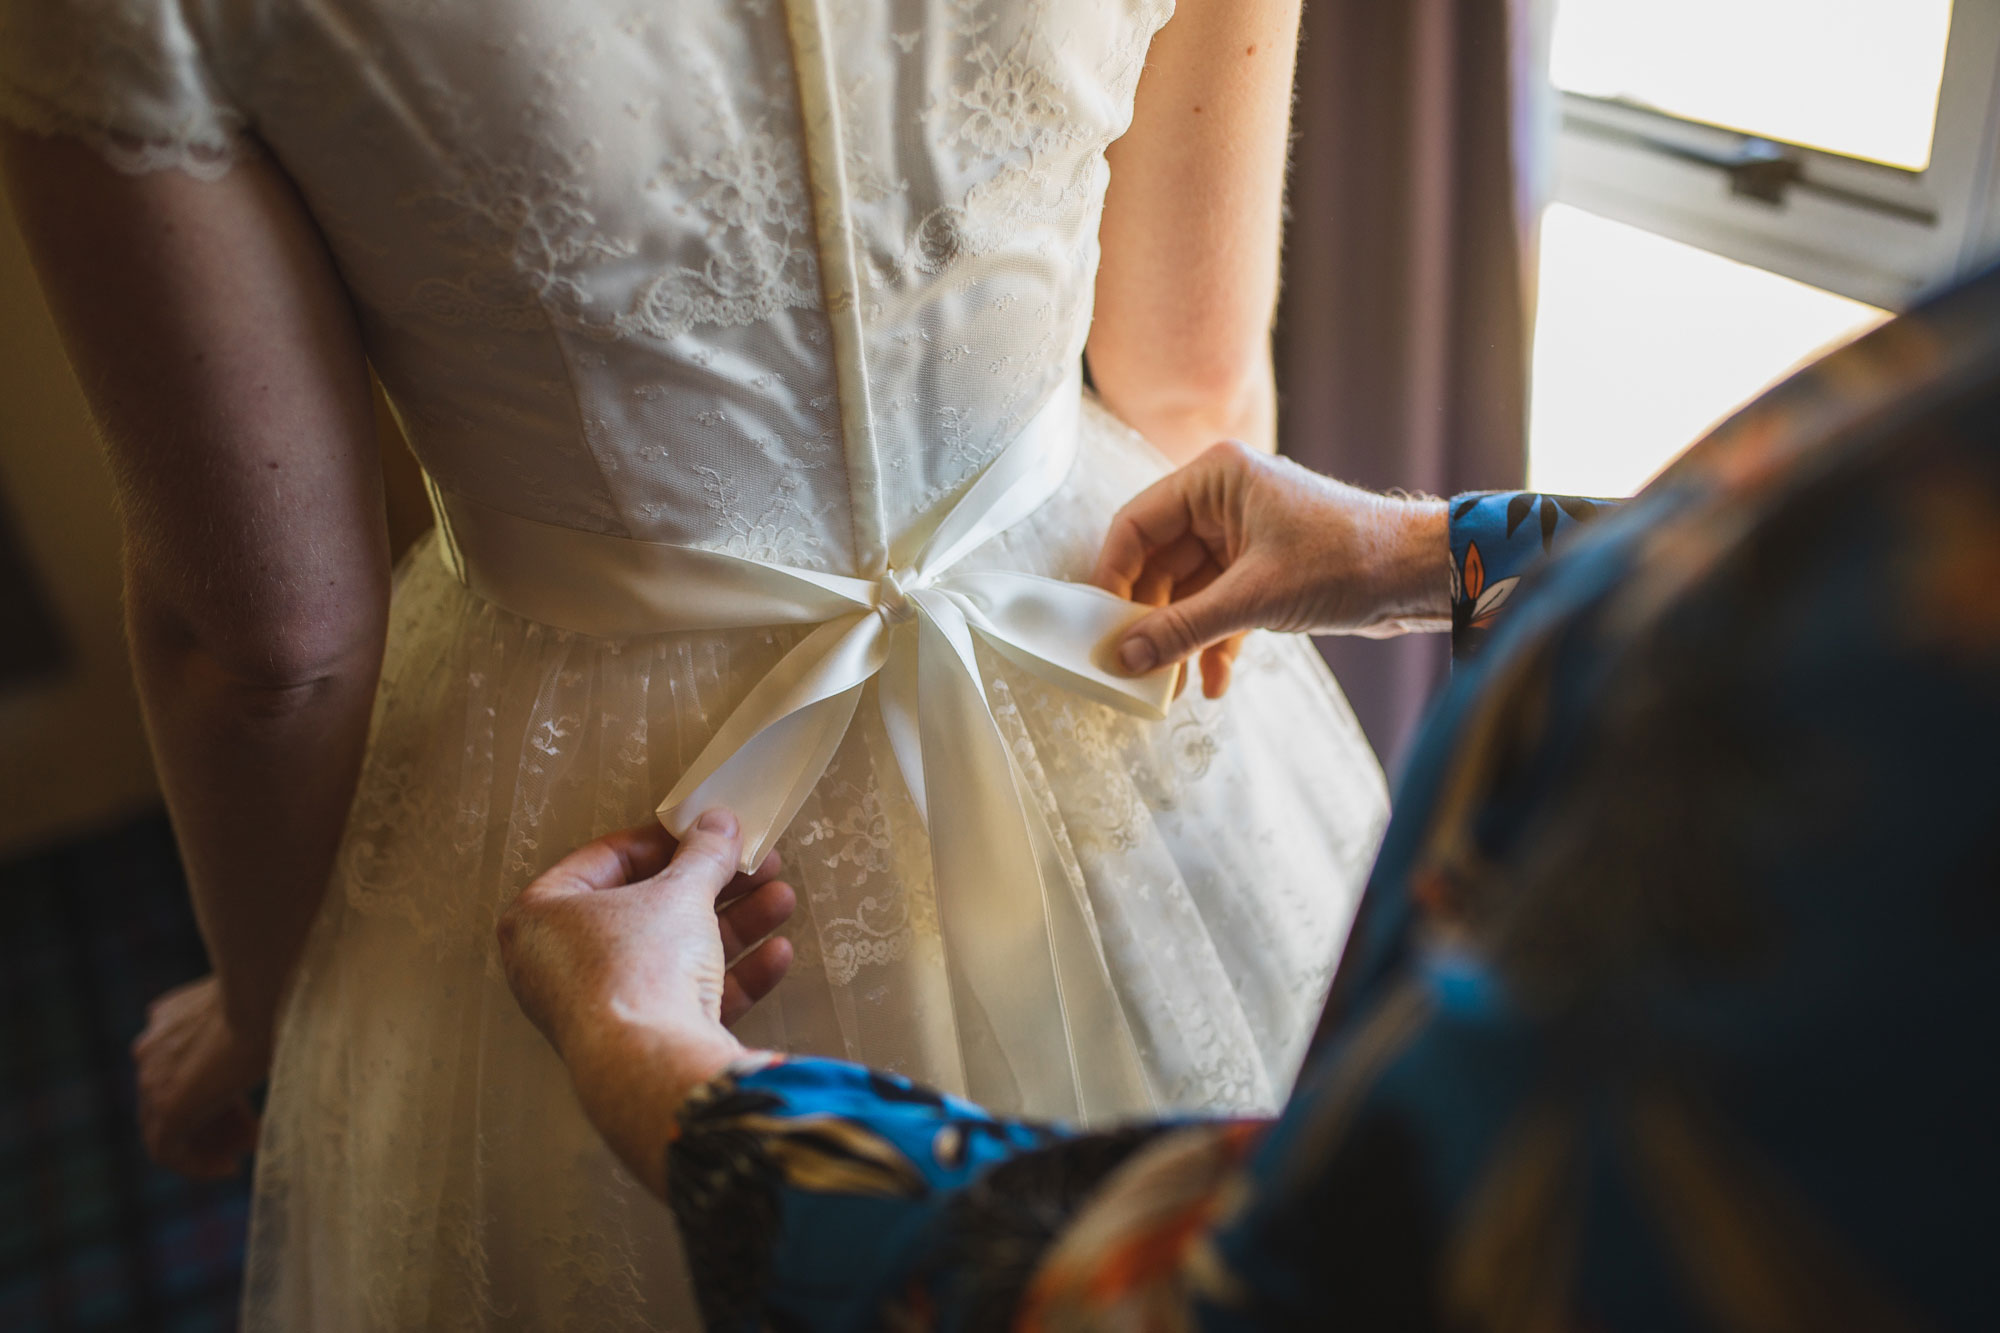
[[774, 277]]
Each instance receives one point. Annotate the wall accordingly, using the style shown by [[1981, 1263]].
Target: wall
[[72, 751]]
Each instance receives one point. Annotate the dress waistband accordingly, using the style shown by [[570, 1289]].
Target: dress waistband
[[1018, 932]]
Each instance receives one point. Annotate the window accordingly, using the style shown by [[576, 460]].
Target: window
[[1643, 343], [1860, 79], [1740, 184]]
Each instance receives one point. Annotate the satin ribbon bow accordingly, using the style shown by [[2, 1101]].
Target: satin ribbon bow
[[1014, 928], [1021, 941]]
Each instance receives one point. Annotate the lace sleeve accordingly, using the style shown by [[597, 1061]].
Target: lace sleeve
[[128, 77]]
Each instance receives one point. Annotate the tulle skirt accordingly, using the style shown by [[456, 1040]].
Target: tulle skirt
[[424, 1163]]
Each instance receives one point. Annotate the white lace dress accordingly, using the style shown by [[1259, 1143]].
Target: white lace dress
[[778, 280]]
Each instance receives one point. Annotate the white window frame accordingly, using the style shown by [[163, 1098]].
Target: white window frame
[[1876, 233]]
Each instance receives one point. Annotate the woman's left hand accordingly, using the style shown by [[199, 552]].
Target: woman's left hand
[[195, 1073]]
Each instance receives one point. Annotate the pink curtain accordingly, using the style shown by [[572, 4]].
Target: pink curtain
[[1403, 338]]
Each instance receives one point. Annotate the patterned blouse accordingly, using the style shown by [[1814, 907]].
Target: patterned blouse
[[1667, 1004]]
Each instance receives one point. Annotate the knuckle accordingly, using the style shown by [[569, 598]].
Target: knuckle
[[1177, 630], [1229, 450], [707, 856], [1228, 456]]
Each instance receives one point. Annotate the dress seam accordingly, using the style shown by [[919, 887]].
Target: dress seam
[[833, 238]]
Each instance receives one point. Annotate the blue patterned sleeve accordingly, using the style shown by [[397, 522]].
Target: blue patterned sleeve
[[814, 1194], [1496, 536]]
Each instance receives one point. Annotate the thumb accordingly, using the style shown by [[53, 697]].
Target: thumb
[[1180, 629], [706, 860]]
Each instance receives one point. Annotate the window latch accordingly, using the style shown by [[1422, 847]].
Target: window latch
[[1757, 168], [1764, 171]]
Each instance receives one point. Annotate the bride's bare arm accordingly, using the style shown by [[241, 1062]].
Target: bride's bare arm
[[221, 359], [1180, 346]]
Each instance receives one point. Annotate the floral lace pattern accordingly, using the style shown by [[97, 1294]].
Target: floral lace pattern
[[748, 188]]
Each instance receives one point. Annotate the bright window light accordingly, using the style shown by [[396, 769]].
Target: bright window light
[[1642, 343], [1858, 77]]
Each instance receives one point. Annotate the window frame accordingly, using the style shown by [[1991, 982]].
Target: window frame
[[1877, 233]]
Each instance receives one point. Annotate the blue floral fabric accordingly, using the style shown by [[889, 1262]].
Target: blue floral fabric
[[820, 1195], [1496, 537], [1670, 1006]]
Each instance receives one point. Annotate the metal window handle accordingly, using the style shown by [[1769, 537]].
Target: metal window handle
[[1757, 168]]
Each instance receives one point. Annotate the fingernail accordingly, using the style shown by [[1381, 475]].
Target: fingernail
[[717, 821], [1137, 655]]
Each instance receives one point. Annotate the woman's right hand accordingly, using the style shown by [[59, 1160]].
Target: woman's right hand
[[1237, 540], [623, 958], [195, 1074]]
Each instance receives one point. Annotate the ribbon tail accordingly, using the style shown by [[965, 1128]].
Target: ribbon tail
[[1112, 1083], [1026, 952], [1062, 632], [770, 752], [897, 690]]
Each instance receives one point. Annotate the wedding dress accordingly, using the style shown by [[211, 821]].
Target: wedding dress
[[740, 342]]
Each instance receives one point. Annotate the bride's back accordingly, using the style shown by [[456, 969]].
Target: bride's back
[[615, 277], [774, 276]]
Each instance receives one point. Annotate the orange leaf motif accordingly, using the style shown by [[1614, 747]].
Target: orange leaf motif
[[1475, 572]]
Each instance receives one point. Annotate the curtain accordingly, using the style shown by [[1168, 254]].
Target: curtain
[[1404, 332]]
